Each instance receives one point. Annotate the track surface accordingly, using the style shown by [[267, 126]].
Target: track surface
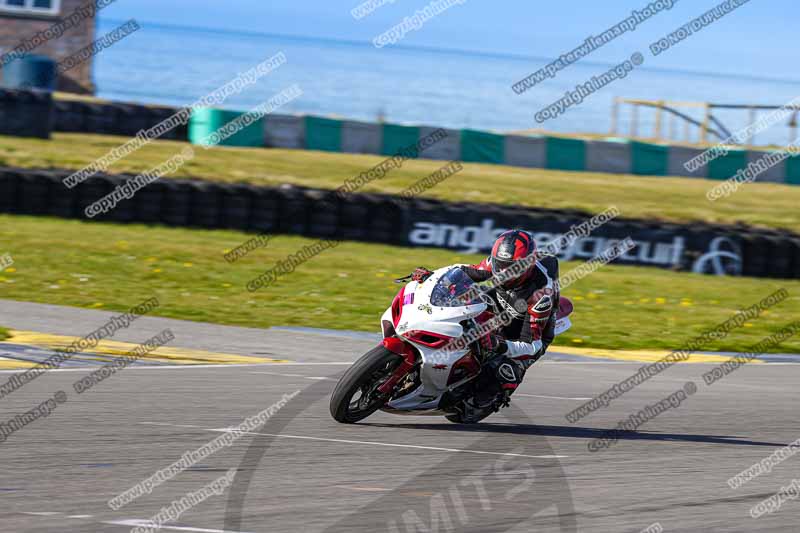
[[59, 472]]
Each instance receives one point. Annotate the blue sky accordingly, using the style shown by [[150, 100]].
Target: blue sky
[[755, 40]]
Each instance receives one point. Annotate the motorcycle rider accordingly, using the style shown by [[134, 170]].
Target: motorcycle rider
[[526, 287]]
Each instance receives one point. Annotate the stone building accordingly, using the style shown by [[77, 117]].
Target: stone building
[[53, 28]]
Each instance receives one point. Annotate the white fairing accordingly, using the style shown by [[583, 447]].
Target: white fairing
[[422, 315]]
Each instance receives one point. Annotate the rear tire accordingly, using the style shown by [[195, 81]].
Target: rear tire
[[461, 419], [469, 414], [372, 368]]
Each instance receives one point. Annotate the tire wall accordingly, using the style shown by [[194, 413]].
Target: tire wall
[[465, 227], [26, 113]]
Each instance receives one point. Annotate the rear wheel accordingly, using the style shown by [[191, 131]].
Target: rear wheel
[[355, 396], [469, 414], [460, 418]]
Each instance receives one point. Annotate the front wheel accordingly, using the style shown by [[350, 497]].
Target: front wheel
[[355, 396]]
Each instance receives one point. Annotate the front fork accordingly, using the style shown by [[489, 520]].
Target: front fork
[[409, 355]]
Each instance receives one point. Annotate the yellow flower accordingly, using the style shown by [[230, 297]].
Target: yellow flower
[[577, 298], [96, 305], [748, 325], [661, 301], [11, 270], [380, 275], [188, 265], [578, 341], [591, 296], [226, 285], [644, 300], [156, 270]]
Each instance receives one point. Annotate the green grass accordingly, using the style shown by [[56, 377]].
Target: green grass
[[3, 334], [112, 267], [672, 199]]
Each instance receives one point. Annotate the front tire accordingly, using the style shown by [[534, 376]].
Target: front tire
[[360, 382]]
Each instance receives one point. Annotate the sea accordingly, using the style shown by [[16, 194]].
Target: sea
[[410, 85]]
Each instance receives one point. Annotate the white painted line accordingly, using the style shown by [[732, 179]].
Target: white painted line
[[763, 364], [549, 397], [170, 425], [294, 376], [147, 523], [392, 445], [41, 513], [273, 365], [596, 363], [80, 516], [315, 364], [162, 367]]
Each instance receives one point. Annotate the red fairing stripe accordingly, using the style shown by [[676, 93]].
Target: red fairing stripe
[[427, 338], [484, 317], [398, 346], [397, 306], [466, 366]]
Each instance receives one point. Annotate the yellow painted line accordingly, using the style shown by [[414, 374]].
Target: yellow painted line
[[13, 364], [643, 356], [162, 354], [193, 357]]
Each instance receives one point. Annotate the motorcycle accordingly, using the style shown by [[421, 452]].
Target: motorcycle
[[433, 353]]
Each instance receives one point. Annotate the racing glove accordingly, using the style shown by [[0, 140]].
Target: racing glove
[[421, 274]]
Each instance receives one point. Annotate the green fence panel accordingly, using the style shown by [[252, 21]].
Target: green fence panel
[[397, 139], [649, 159], [793, 170], [482, 147], [323, 134], [206, 127], [566, 154], [727, 166]]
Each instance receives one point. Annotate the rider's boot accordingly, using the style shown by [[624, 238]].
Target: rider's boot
[[501, 377]]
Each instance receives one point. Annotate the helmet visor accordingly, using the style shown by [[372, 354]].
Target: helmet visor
[[501, 264]]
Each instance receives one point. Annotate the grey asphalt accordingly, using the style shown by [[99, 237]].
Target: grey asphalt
[[304, 472]]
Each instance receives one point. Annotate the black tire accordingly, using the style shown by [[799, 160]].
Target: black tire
[[363, 374], [461, 419]]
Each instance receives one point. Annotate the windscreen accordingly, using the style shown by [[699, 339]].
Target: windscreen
[[451, 290]]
